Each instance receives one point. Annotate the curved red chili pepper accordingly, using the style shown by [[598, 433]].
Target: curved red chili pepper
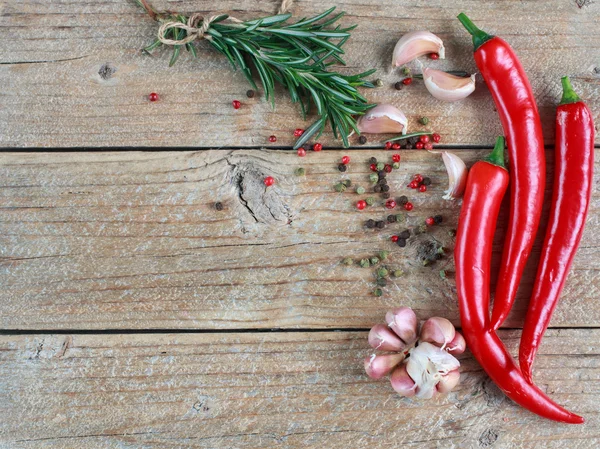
[[574, 159], [518, 113], [486, 185]]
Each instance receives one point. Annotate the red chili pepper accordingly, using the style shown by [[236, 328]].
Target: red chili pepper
[[518, 113], [574, 159], [486, 184]]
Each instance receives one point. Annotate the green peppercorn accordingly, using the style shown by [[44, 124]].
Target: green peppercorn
[[443, 274], [406, 71], [378, 82], [396, 165], [370, 200], [339, 187], [362, 140], [380, 166], [348, 261], [400, 218], [452, 232], [398, 273], [347, 182], [422, 228], [383, 255], [374, 260], [365, 263], [300, 171], [378, 292], [424, 120], [373, 177], [360, 190], [381, 282], [382, 272]]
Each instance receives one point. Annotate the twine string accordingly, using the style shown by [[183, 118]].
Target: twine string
[[193, 31]]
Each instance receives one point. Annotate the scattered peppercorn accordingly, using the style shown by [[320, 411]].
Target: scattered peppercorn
[[387, 168], [422, 188], [250, 93], [406, 71], [360, 190], [424, 120], [452, 232], [381, 173], [396, 165], [386, 195], [339, 187], [381, 282], [413, 184], [428, 146], [378, 82], [399, 218], [429, 221], [370, 200], [398, 85], [402, 200], [419, 145], [380, 166], [236, 104], [342, 167], [436, 137], [388, 145], [408, 146], [373, 177], [378, 292], [361, 204], [364, 263], [272, 139], [380, 224], [394, 238], [382, 272], [390, 204], [300, 171], [385, 188], [413, 140], [373, 167], [317, 147], [347, 183], [301, 152], [370, 223], [298, 132], [438, 219], [395, 157], [404, 234], [397, 273], [373, 160], [391, 218], [377, 188], [362, 140], [345, 160], [424, 139], [426, 181], [383, 255], [219, 206], [434, 56], [374, 260], [348, 261], [269, 181], [407, 81], [408, 206], [396, 146], [401, 242], [153, 96]]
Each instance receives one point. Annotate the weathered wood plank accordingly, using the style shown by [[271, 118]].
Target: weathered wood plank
[[271, 390], [131, 240], [73, 75]]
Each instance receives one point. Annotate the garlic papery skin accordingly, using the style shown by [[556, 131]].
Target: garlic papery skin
[[447, 87], [427, 365], [383, 119], [457, 175], [403, 322], [383, 339], [415, 44], [378, 366]]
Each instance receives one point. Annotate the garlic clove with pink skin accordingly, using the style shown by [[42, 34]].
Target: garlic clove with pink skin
[[382, 338], [383, 119], [427, 366], [378, 366], [447, 87], [438, 331], [448, 382], [457, 175], [402, 383], [403, 322], [415, 44], [457, 345]]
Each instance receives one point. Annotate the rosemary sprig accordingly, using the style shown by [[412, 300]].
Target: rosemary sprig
[[296, 55]]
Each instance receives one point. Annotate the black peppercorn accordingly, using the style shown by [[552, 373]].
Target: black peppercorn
[[250, 93], [373, 160], [438, 219], [385, 188], [438, 256], [392, 219], [402, 200], [386, 195], [342, 167], [399, 85], [347, 183], [381, 282], [401, 243], [362, 140], [408, 146], [370, 224], [219, 205], [377, 189], [381, 174], [380, 224], [404, 234], [426, 181], [413, 140]]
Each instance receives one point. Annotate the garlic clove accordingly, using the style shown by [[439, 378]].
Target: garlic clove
[[448, 382], [415, 44], [447, 87], [402, 382], [457, 345], [381, 337], [378, 366], [438, 331], [383, 119], [403, 322], [457, 175], [427, 365]]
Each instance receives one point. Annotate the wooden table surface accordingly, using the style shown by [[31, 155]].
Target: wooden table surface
[[135, 315]]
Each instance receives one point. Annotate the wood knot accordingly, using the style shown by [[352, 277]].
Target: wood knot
[[488, 437], [106, 71]]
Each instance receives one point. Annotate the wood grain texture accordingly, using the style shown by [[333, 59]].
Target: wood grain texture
[[271, 390], [73, 75], [131, 240]]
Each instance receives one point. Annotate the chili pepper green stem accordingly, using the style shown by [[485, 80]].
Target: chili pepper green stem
[[480, 37], [569, 95], [496, 157]]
